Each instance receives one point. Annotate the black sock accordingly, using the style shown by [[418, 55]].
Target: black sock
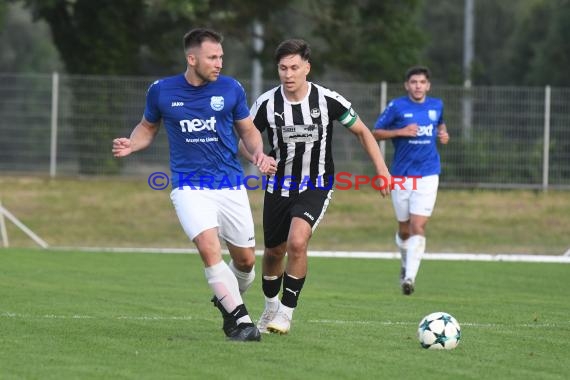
[[291, 290], [271, 287]]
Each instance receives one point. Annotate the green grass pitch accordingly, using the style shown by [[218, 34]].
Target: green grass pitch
[[83, 315]]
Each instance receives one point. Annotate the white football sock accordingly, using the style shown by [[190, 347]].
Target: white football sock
[[224, 284], [287, 310], [416, 249], [272, 300], [403, 246], [244, 279], [272, 304]]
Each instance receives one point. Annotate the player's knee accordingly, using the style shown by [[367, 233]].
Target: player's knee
[[244, 263], [417, 229], [297, 246], [274, 254]]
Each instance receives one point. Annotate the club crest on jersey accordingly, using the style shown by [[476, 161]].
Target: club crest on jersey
[[432, 114], [315, 112], [217, 103]]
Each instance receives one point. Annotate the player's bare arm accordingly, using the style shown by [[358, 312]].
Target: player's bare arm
[[141, 137], [410, 130], [251, 146], [369, 144], [442, 134]]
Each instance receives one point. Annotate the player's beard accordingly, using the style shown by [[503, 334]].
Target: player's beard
[[206, 75]]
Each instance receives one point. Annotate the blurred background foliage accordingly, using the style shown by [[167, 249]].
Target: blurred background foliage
[[516, 42]]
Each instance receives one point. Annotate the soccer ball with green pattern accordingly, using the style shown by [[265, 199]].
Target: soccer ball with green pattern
[[439, 331]]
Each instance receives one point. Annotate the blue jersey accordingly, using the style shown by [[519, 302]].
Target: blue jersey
[[414, 156], [199, 122]]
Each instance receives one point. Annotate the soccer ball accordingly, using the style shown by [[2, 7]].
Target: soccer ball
[[438, 331]]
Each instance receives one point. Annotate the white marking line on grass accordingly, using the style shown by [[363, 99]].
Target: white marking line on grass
[[120, 317], [564, 259], [317, 321], [395, 323]]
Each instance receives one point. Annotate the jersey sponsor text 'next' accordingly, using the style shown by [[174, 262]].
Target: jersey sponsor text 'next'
[[199, 122], [414, 156]]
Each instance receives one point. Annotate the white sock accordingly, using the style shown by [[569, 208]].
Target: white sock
[[244, 279], [287, 310], [403, 246], [272, 303], [416, 249], [225, 286]]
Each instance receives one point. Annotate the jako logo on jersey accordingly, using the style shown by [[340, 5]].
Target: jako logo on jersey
[[425, 130], [315, 112], [217, 103], [432, 114], [309, 215], [197, 125], [177, 104], [408, 115]]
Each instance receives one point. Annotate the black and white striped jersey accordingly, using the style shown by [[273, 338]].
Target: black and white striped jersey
[[300, 135]]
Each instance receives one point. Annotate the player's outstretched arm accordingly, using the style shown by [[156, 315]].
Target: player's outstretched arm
[[369, 144], [141, 137], [251, 146], [410, 130]]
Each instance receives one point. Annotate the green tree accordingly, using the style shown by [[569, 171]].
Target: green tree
[[26, 47], [129, 37], [550, 63], [371, 40], [3, 11], [443, 23], [94, 37], [522, 45]]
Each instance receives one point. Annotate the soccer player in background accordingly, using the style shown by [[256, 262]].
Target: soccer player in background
[[298, 117], [414, 123], [199, 109]]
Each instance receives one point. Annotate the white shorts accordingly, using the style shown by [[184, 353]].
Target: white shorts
[[226, 209], [415, 198]]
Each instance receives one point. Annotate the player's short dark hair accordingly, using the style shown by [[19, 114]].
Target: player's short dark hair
[[418, 70], [195, 37], [293, 46]]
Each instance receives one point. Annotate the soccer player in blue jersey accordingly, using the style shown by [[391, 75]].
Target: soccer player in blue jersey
[[414, 123], [199, 110]]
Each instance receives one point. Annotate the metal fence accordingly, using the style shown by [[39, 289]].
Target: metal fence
[[501, 137]]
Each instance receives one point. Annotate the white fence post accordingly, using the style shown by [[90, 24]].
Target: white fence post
[[3, 232], [39, 241], [54, 108], [546, 146]]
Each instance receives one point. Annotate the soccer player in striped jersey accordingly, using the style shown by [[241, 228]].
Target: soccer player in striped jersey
[[298, 117], [414, 123], [199, 109]]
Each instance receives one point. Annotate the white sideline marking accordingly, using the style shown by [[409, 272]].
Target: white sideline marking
[[316, 321], [564, 259], [393, 323], [120, 317]]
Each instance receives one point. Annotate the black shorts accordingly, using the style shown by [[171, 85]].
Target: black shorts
[[278, 211]]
